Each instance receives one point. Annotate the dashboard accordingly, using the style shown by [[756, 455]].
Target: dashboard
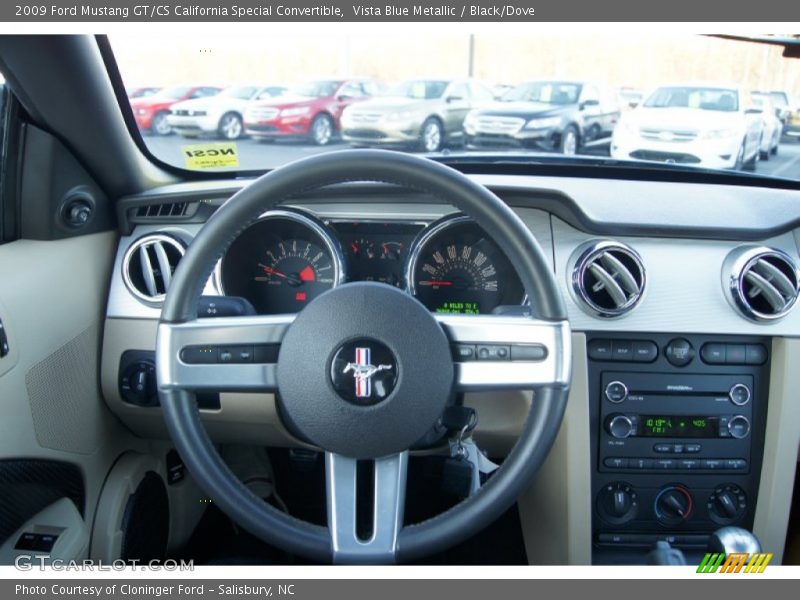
[[681, 298]]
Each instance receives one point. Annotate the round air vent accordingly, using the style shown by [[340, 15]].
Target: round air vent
[[763, 283], [148, 265], [608, 278]]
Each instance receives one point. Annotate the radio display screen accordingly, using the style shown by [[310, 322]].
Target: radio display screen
[[678, 426]]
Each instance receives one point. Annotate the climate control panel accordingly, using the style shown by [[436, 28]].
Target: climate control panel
[[677, 438]]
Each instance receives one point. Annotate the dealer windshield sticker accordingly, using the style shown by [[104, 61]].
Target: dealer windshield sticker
[[211, 156]]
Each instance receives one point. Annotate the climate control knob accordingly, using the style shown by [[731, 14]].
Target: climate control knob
[[617, 503], [727, 504], [620, 426], [673, 505]]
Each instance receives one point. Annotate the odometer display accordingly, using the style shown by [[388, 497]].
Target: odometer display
[[457, 269], [281, 263]]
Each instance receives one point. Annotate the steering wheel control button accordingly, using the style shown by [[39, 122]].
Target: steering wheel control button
[[679, 352], [739, 427], [463, 352], [616, 392], [493, 352], [528, 352], [739, 394], [200, 355], [364, 371], [321, 400]]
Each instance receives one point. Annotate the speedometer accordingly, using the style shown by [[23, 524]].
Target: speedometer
[[456, 268], [281, 262]]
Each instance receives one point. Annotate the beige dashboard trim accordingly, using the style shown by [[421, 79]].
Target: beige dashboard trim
[[782, 441], [556, 511]]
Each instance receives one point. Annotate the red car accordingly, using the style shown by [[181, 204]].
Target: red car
[[310, 111], [151, 111]]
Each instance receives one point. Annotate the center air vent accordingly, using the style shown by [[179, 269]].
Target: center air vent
[[608, 278], [764, 283], [148, 266]]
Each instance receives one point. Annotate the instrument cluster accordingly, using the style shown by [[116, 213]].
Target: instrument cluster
[[288, 257]]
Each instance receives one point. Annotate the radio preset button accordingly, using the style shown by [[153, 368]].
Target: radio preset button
[[616, 392], [620, 426], [616, 462], [739, 427], [739, 394], [679, 352]]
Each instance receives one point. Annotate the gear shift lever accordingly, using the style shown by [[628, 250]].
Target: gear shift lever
[[730, 540], [727, 540]]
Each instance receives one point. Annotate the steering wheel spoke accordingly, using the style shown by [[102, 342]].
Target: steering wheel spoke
[[502, 352], [221, 354], [387, 491]]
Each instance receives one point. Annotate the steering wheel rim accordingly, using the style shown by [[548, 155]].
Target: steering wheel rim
[[547, 321]]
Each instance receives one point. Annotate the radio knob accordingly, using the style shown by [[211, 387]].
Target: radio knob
[[727, 504], [739, 394], [739, 427], [620, 426], [616, 392], [617, 503], [673, 505]]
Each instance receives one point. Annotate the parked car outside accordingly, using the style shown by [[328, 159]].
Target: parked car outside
[[142, 92], [704, 125], [426, 113], [500, 89], [151, 111], [772, 125], [630, 97], [220, 115], [310, 111], [562, 116]]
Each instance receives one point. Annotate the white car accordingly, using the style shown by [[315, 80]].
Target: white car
[[703, 125], [219, 115], [773, 126]]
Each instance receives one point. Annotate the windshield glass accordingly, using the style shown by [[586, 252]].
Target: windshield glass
[[173, 93], [239, 92], [546, 92], [668, 101], [317, 89], [419, 90], [725, 100]]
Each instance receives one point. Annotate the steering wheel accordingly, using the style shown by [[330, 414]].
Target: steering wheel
[[415, 346]]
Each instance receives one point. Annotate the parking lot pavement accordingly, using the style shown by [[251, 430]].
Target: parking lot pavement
[[259, 156]]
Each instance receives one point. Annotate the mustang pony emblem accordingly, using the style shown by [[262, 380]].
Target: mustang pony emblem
[[363, 371]]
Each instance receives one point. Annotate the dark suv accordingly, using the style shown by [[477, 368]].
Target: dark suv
[[561, 116]]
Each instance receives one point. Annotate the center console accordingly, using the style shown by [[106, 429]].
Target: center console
[[677, 427]]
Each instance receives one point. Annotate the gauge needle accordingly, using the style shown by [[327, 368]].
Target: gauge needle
[[271, 271], [435, 282]]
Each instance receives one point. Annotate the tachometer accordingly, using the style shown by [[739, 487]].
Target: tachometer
[[456, 268], [281, 262]]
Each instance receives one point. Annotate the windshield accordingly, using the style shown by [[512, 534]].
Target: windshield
[[657, 102], [700, 98], [240, 92], [174, 93], [546, 92], [419, 90], [317, 89]]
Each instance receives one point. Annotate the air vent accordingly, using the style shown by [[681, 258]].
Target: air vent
[[148, 266], [171, 209], [764, 283], [608, 278]]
